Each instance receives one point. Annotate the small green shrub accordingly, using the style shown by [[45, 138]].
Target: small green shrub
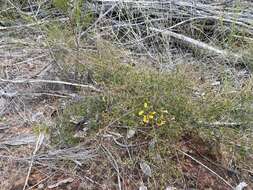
[[127, 90], [90, 109]]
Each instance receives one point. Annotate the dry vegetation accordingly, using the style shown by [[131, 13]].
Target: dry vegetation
[[110, 94]]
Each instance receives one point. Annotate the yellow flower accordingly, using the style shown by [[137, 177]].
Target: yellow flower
[[145, 105], [152, 113], [150, 116], [160, 123], [145, 119], [141, 113]]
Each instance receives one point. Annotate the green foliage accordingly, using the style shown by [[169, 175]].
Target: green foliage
[[248, 58], [80, 17], [41, 128], [77, 12], [132, 95], [127, 90], [61, 4], [60, 36], [90, 109]]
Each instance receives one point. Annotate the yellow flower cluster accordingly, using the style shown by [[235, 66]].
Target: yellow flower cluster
[[151, 117]]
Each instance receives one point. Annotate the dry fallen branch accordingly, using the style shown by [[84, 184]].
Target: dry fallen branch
[[219, 19], [5, 94], [72, 154], [198, 44], [21, 81], [32, 24], [186, 9], [19, 140], [224, 124]]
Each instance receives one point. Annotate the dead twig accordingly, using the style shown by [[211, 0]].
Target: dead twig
[[198, 44], [128, 145], [213, 172], [224, 124], [50, 82], [32, 24], [37, 147], [59, 183], [114, 163]]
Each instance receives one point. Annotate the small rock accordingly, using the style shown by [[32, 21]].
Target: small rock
[[145, 169], [143, 187], [170, 188], [130, 133], [241, 186], [152, 144], [41, 186]]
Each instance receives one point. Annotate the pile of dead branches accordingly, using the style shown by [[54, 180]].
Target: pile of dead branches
[[136, 24]]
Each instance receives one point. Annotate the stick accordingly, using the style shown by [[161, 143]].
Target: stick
[[32, 24], [51, 82], [37, 147], [114, 164], [213, 172], [197, 43]]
